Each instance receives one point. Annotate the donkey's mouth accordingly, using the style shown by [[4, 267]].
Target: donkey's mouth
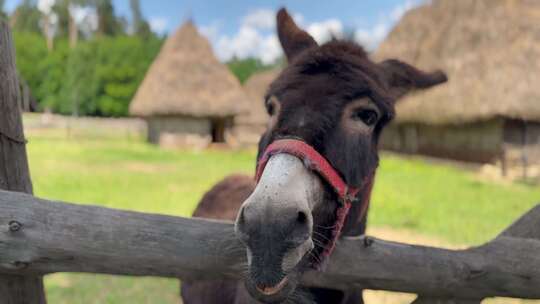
[[272, 290], [277, 293]]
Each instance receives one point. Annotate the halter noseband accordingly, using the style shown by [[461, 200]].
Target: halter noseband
[[314, 161]]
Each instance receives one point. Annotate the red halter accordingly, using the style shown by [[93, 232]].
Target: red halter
[[316, 162]]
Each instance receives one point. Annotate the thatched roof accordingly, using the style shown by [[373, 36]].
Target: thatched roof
[[255, 88], [187, 79], [490, 50]]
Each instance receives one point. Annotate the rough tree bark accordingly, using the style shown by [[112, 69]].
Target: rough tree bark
[[39, 237], [14, 172]]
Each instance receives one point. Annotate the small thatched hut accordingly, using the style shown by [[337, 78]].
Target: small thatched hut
[[490, 108], [250, 125], [188, 97]]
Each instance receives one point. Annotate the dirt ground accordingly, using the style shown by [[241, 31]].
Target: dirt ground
[[384, 297]]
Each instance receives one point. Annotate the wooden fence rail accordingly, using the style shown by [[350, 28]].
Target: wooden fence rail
[[39, 237]]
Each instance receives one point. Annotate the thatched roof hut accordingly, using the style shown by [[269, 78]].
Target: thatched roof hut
[[490, 50], [250, 125], [256, 87], [187, 95]]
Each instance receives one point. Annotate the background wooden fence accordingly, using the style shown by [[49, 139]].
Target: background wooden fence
[[38, 237]]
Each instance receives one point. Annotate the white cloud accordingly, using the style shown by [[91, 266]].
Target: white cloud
[[158, 24], [370, 38], [256, 36], [45, 6], [299, 19], [401, 9], [249, 42], [324, 31], [211, 31], [85, 17], [260, 19]]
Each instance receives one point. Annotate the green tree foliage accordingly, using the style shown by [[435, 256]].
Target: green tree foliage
[[78, 92], [97, 77], [120, 70], [51, 78], [244, 68], [31, 55], [26, 17]]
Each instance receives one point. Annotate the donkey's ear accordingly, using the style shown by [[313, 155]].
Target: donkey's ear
[[293, 39], [403, 78]]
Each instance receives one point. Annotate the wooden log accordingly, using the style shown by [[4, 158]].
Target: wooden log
[[39, 237], [14, 172]]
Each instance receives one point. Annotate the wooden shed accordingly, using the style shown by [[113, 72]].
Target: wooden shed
[[489, 111], [188, 97], [250, 125]]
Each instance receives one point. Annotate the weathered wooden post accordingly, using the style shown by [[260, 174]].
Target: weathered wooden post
[[14, 172]]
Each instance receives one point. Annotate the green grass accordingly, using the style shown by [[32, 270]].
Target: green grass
[[113, 171], [128, 174], [103, 289], [445, 201]]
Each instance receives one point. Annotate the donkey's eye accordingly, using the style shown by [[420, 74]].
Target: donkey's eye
[[369, 117], [270, 108], [271, 105]]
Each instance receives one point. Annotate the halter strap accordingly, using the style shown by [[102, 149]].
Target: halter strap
[[314, 161]]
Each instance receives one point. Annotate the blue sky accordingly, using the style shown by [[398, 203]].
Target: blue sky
[[246, 27]]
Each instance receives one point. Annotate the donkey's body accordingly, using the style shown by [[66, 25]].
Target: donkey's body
[[332, 101]]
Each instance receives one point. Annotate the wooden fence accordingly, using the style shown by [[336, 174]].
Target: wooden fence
[[39, 237]]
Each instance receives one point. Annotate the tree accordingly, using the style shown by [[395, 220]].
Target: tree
[[67, 25], [108, 23], [79, 91], [141, 27], [3, 15], [26, 17], [244, 68], [97, 77], [61, 10], [31, 49]]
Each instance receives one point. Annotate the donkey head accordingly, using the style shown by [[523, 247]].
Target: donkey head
[[335, 100]]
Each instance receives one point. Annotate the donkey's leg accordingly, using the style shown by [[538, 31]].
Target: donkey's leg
[[208, 292], [353, 297]]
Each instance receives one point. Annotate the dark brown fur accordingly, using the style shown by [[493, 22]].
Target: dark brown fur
[[313, 91], [224, 199]]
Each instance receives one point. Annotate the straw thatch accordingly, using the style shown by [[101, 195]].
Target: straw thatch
[[250, 125], [187, 79], [490, 50], [255, 88]]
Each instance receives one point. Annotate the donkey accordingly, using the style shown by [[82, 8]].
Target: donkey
[[315, 168]]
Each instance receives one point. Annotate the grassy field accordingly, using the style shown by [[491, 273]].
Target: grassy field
[[113, 171]]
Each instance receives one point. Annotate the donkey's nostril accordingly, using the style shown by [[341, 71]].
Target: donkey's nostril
[[301, 218]]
